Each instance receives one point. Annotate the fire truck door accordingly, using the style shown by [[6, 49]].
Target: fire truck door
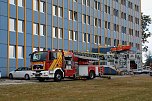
[[69, 69]]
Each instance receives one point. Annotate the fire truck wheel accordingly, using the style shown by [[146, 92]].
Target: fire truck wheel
[[74, 76], [58, 76], [91, 75]]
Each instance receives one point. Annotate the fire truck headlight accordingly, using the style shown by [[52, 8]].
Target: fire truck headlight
[[50, 72]]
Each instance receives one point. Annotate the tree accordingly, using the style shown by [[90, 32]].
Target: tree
[[148, 58], [145, 22]]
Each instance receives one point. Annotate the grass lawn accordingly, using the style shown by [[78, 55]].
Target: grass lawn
[[136, 88]]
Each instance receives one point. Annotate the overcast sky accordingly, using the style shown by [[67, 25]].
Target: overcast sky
[[146, 8]]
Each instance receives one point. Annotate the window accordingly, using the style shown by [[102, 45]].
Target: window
[[115, 27], [100, 40], [136, 8], [123, 2], [88, 19], [36, 5], [42, 49], [130, 18], [70, 15], [123, 43], [130, 4], [12, 51], [109, 41], [105, 24], [35, 49], [88, 38], [42, 30], [96, 39], [88, 2], [109, 9], [20, 52], [13, 2], [35, 29], [84, 2], [70, 35], [84, 37], [55, 10], [55, 32], [20, 3], [131, 32], [106, 8], [123, 29], [60, 12], [42, 6], [115, 42], [75, 35], [106, 40], [75, 0], [115, 12], [60, 33], [95, 22], [136, 20], [84, 18], [108, 25], [20, 26], [99, 22], [123, 15], [12, 25], [99, 7], [75, 16], [95, 4]]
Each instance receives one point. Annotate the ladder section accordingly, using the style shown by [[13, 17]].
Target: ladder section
[[93, 56], [85, 55]]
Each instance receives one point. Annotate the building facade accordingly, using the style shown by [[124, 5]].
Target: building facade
[[79, 25]]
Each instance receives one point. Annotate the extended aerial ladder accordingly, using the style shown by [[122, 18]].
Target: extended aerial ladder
[[102, 60], [93, 56]]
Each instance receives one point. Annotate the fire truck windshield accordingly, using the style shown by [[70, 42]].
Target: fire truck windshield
[[39, 56]]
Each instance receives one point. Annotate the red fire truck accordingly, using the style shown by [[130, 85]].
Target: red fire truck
[[60, 64]]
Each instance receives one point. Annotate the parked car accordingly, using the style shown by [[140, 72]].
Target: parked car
[[22, 73], [150, 73], [137, 72], [145, 71]]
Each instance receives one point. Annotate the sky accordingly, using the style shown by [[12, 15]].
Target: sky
[[146, 8]]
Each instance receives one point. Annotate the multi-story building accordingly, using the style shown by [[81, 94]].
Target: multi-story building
[[79, 25]]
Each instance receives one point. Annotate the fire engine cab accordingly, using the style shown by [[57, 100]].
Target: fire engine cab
[[59, 64]]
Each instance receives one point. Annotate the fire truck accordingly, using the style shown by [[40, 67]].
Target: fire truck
[[125, 59], [58, 64]]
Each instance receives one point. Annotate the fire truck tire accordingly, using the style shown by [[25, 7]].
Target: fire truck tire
[[74, 77], [91, 75], [58, 76]]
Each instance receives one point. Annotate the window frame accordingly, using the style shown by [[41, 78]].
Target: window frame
[[13, 55], [20, 55], [12, 28]]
